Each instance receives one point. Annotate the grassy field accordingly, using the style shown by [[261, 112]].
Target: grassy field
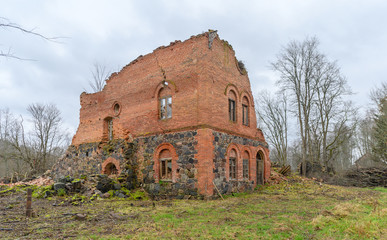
[[297, 209]]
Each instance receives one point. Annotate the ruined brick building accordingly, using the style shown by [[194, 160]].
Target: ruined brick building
[[179, 120]]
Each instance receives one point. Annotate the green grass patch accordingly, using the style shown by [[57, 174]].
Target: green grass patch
[[297, 209]]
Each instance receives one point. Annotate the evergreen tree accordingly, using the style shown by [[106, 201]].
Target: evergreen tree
[[380, 131]]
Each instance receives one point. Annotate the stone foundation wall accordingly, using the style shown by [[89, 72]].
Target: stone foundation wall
[[136, 159], [87, 159], [221, 143], [184, 144]]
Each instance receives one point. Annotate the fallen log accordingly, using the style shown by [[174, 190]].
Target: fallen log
[[285, 170]]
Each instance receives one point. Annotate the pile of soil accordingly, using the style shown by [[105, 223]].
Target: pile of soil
[[361, 177]]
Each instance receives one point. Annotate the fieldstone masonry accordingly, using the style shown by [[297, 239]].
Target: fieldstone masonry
[[172, 122]]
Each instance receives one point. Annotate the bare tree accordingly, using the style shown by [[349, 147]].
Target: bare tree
[[339, 134], [273, 113], [336, 122], [100, 75], [316, 89], [7, 24], [343, 149], [364, 137], [300, 67], [38, 148], [6, 120]]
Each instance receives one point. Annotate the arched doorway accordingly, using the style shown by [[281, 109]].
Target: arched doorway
[[260, 167], [110, 169], [111, 166]]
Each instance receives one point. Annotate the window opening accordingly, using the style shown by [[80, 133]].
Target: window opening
[[231, 110], [166, 107], [232, 168], [110, 129], [116, 109], [245, 115], [246, 168], [232, 164], [166, 168]]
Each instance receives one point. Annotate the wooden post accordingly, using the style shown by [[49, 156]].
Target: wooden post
[[217, 190], [29, 203]]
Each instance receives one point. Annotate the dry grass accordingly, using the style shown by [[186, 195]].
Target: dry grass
[[296, 209]]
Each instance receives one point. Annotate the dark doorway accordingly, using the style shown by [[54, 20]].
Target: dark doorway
[[260, 167], [110, 169]]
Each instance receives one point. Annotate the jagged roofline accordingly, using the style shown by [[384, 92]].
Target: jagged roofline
[[205, 34], [161, 47]]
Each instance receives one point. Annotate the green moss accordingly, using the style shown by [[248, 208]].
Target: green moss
[[61, 192], [78, 199], [111, 193], [163, 183], [76, 180], [227, 44], [108, 148], [68, 178], [173, 83], [36, 194], [121, 179], [7, 190], [125, 191], [42, 191], [94, 197], [138, 195]]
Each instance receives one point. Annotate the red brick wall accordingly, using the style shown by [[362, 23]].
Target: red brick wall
[[199, 79], [205, 156]]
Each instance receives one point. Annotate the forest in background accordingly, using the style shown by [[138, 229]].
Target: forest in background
[[314, 97]]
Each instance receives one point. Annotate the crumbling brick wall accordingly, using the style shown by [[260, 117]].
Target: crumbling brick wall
[[200, 75]]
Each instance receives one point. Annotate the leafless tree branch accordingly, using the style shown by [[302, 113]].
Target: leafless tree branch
[[100, 75], [6, 24]]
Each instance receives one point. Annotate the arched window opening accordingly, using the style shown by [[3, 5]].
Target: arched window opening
[[108, 129], [110, 169], [245, 111], [232, 164], [165, 159], [246, 170], [165, 103], [232, 106], [260, 167]]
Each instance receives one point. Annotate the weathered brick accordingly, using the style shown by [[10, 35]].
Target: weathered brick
[[200, 81]]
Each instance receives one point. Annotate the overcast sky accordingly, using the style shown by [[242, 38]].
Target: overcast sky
[[114, 33]]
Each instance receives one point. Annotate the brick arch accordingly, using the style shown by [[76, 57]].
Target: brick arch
[[251, 161], [107, 163], [246, 100], [174, 156], [232, 87], [161, 85], [232, 146], [266, 160], [246, 94]]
